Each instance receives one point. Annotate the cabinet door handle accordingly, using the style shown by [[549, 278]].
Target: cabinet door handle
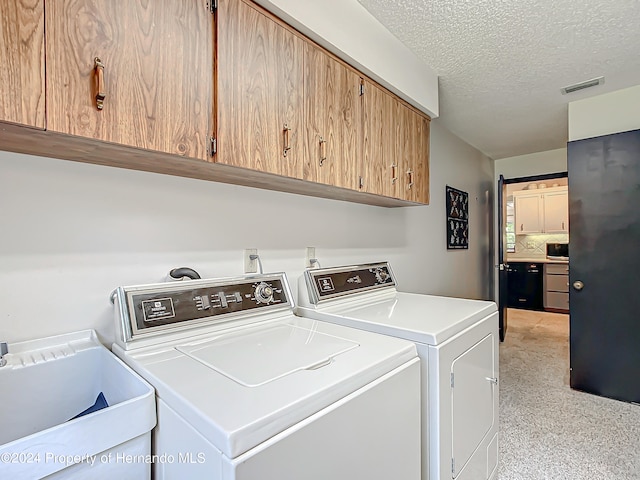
[[100, 94], [323, 150], [287, 146], [410, 175], [394, 174], [562, 225], [521, 226]]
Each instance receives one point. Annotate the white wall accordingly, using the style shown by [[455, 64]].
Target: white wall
[[345, 28], [71, 232], [540, 163], [613, 112]]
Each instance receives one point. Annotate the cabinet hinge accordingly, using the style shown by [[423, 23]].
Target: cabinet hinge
[[213, 148], [213, 6], [361, 88], [452, 381], [360, 182]]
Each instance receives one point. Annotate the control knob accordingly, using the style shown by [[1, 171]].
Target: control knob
[[264, 293], [381, 275]]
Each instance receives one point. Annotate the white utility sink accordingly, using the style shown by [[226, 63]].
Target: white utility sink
[[45, 385]]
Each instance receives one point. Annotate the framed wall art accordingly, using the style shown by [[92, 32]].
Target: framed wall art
[[457, 219]]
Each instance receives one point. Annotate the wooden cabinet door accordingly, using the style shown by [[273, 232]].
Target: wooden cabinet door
[[395, 147], [379, 166], [259, 99], [333, 120], [556, 212], [158, 64], [412, 155], [22, 62], [528, 214]]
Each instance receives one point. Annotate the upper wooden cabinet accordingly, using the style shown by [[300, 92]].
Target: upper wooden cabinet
[[412, 153], [333, 120], [379, 170], [286, 106], [260, 91], [395, 160], [163, 85], [157, 64], [22, 62]]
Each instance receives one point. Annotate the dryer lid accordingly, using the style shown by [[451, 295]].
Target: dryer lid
[[426, 319]]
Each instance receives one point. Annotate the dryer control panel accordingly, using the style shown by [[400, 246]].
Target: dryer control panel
[[339, 281], [165, 307]]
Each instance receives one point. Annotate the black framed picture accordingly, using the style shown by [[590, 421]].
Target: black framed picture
[[457, 219]]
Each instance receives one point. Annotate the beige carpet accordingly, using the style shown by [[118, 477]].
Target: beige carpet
[[547, 430]]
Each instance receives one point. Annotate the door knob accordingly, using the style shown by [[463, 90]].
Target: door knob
[[578, 285]]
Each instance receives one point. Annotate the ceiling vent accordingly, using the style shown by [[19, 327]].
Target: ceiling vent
[[582, 85]]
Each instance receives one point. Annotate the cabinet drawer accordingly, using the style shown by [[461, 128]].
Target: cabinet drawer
[[557, 283], [557, 300], [557, 268]]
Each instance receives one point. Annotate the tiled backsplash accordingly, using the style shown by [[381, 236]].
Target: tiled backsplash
[[535, 245]]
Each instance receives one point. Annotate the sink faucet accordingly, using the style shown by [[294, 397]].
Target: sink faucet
[[4, 349]]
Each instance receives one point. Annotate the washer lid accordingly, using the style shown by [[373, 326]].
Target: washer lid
[[240, 387], [266, 355], [425, 319]]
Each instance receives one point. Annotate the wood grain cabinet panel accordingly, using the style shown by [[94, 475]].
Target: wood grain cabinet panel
[[22, 95], [412, 154], [395, 160], [333, 120], [260, 91], [158, 64], [379, 167], [162, 85]]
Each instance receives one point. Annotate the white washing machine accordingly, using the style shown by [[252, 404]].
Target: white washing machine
[[246, 390], [457, 341]]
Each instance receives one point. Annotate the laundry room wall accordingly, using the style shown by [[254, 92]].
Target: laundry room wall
[[72, 232], [611, 112]]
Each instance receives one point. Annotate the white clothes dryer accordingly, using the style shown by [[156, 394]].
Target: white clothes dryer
[[246, 390], [457, 341]]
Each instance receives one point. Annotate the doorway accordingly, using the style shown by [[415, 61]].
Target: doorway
[[524, 233]]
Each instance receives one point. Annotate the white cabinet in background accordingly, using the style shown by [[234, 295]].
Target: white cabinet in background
[[544, 211], [528, 213], [556, 211]]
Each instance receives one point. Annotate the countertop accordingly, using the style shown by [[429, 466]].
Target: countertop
[[511, 259]]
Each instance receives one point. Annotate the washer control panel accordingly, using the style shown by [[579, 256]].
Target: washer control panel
[[339, 281], [161, 307]]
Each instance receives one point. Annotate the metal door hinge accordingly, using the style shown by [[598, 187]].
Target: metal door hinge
[[213, 5], [452, 381], [360, 182], [361, 88], [213, 147]]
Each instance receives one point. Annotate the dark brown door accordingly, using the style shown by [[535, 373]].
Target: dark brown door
[[604, 273]]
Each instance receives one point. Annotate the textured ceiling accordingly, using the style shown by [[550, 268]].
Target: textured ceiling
[[501, 63]]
